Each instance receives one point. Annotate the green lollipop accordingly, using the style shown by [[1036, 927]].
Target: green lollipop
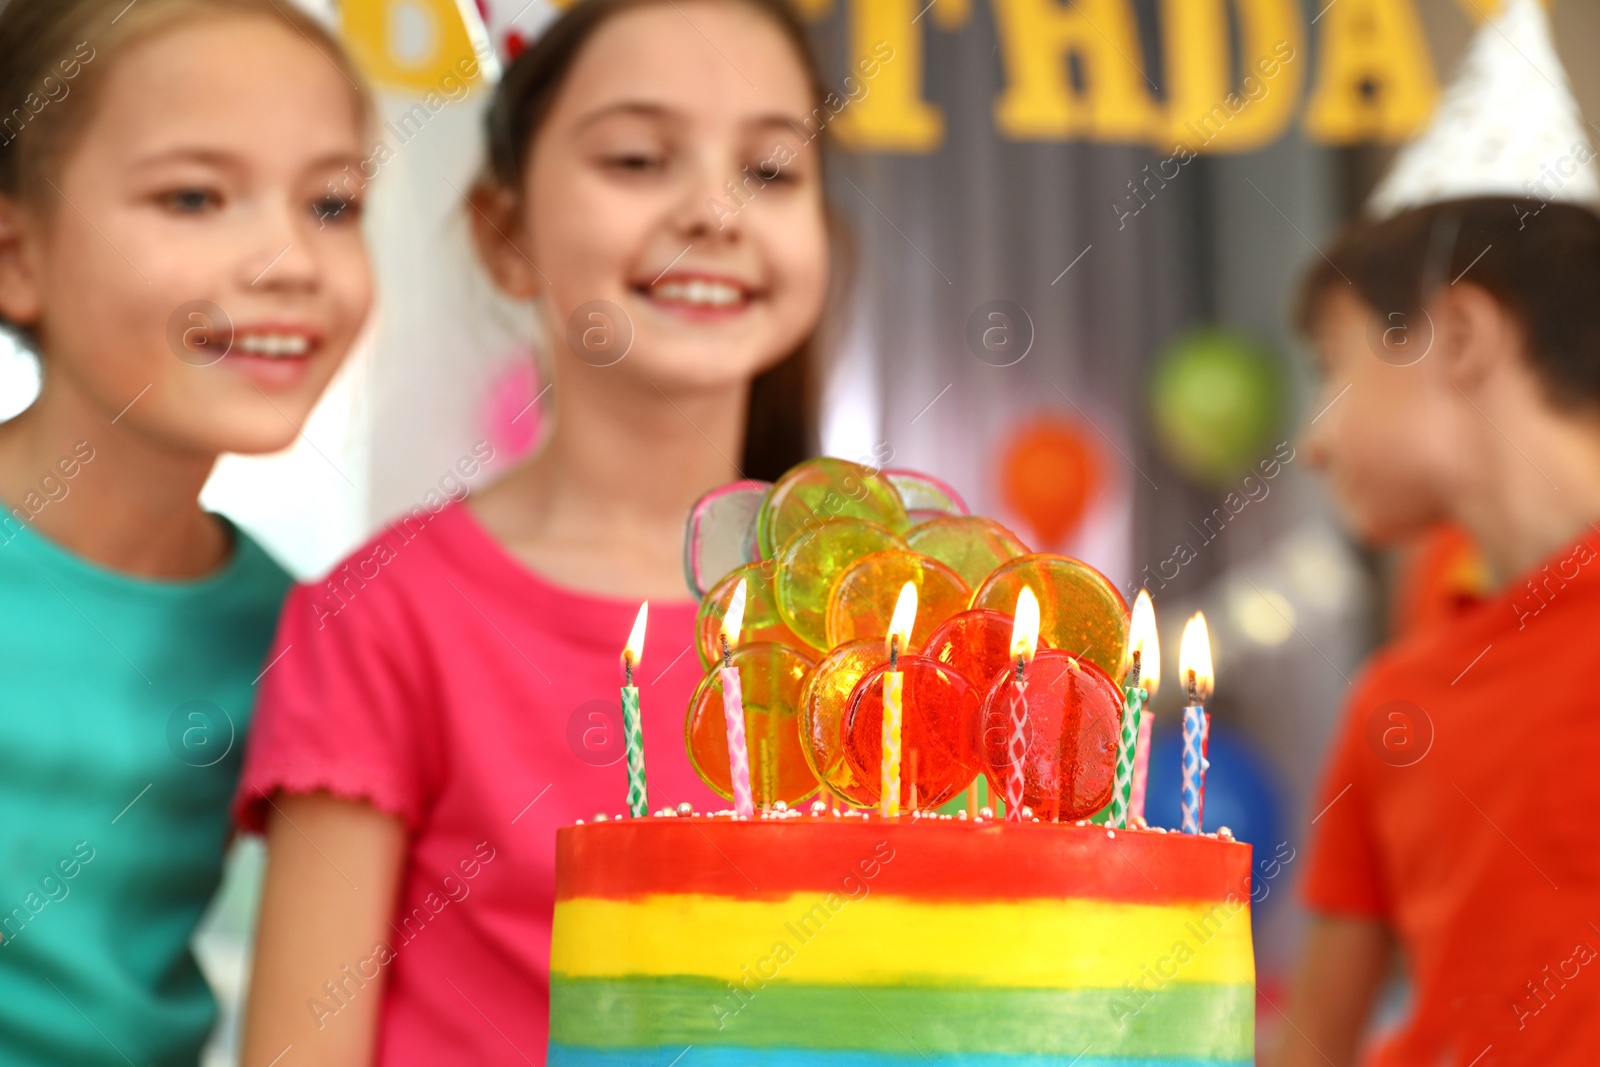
[[970, 545], [822, 490], [812, 561]]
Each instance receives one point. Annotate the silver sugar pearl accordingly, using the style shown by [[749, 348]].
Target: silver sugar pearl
[[686, 808]]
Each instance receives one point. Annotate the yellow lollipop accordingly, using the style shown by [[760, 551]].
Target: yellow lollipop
[[1080, 612], [824, 699], [863, 598]]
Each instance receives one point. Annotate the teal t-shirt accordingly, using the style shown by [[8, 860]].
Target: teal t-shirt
[[123, 709]]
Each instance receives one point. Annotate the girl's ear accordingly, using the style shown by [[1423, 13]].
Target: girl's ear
[[19, 288], [496, 230]]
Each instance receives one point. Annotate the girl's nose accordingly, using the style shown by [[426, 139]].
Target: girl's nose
[[714, 201], [282, 253]]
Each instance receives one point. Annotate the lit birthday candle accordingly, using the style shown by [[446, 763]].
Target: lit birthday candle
[[1024, 643], [1142, 649], [1194, 667], [632, 728], [900, 624], [733, 708], [1149, 681]]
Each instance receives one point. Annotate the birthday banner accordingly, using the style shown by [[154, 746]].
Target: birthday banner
[[1209, 76]]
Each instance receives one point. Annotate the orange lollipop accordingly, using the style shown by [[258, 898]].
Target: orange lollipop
[[863, 598], [1080, 612], [824, 700], [771, 676], [761, 621]]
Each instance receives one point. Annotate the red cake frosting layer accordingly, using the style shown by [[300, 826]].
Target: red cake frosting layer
[[772, 859]]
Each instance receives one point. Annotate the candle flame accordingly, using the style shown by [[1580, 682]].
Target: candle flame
[[1025, 627], [1142, 639], [904, 618], [733, 618], [1194, 658], [633, 651]]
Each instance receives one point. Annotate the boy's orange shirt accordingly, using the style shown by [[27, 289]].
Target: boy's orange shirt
[[1462, 809]]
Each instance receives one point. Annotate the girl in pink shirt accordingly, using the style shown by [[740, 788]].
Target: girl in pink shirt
[[446, 699]]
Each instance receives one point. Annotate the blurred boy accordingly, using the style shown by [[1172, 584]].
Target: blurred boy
[[1458, 334]]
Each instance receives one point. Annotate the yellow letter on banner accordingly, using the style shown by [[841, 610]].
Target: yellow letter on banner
[[1207, 110], [1479, 10], [1374, 78], [1037, 38], [407, 44], [886, 57]]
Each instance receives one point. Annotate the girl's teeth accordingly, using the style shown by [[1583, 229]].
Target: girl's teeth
[[703, 293], [273, 346]]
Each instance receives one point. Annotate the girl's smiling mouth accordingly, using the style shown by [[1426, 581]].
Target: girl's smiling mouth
[[698, 294], [271, 354]]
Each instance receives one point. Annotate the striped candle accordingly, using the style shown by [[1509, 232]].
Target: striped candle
[[632, 727], [899, 637], [889, 780], [1194, 664], [987, 946], [1127, 745], [1024, 643], [738, 748], [1144, 678], [1196, 725], [1017, 748], [1141, 766], [733, 707]]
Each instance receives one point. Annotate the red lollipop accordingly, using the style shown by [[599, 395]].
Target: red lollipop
[[939, 709], [977, 643], [1074, 714]]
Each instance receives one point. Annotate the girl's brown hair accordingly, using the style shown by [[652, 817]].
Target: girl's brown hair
[[1540, 261], [56, 51], [782, 426]]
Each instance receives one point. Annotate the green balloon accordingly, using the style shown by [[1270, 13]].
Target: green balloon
[[1216, 400]]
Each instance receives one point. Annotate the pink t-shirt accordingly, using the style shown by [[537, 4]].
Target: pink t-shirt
[[435, 677]]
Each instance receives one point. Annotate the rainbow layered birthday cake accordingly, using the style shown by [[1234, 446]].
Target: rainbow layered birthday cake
[[847, 942], [878, 661]]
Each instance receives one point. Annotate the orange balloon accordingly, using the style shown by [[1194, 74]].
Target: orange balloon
[[1049, 474]]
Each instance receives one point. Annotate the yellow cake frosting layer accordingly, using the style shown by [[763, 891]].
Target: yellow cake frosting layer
[[886, 940]]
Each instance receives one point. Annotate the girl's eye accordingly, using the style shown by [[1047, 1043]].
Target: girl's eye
[[636, 162], [331, 209], [192, 201], [772, 174]]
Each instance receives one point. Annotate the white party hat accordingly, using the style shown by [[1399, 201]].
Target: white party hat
[[1507, 126]]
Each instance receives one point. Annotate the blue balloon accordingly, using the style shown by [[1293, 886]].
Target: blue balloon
[[1242, 793]]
